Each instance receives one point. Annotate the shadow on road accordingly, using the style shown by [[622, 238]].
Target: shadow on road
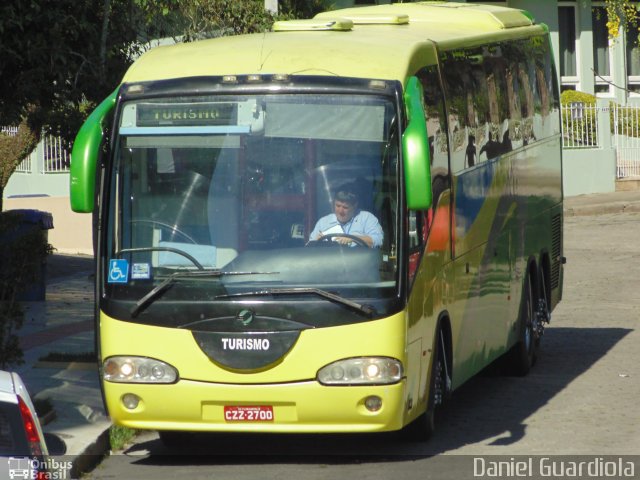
[[61, 265], [55, 444], [487, 407]]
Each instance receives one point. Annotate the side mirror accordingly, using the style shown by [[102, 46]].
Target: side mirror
[[84, 157], [415, 149]]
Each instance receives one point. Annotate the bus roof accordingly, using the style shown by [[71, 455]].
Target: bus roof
[[388, 42]]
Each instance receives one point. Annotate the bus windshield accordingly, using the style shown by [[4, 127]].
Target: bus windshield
[[267, 193]]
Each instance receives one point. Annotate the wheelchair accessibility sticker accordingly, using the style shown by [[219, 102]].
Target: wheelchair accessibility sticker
[[118, 271]]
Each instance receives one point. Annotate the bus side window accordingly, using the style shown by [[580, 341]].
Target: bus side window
[[525, 76], [465, 113], [418, 231], [489, 93], [543, 84]]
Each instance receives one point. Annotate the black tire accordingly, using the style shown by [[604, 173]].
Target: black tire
[[523, 355], [423, 427]]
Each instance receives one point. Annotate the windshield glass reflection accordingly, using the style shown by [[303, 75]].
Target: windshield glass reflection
[[290, 190]]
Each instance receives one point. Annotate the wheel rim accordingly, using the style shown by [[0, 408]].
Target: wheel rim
[[438, 385], [528, 333]]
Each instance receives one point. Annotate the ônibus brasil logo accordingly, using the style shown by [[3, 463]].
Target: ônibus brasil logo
[[41, 469]]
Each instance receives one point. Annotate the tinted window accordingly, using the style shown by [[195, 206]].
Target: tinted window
[[498, 98], [12, 437]]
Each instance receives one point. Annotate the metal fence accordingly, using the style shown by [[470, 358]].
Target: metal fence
[[626, 140], [582, 125], [13, 131], [56, 158], [579, 126], [50, 154]]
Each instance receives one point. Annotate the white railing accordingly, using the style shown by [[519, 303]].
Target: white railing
[[12, 131], [579, 126], [56, 157], [626, 140], [25, 165], [580, 129]]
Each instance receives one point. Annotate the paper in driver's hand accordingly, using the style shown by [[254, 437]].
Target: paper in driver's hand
[[333, 230]]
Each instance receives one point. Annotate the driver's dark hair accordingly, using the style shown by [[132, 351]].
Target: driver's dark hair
[[346, 195]]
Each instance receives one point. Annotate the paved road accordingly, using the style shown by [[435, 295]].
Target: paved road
[[580, 399]]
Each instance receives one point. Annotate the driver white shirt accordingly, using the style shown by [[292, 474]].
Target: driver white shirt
[[362, 223]]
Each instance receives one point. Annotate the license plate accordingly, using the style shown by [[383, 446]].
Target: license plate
[[258, 413]]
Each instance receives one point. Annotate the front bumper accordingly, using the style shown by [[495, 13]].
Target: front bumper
[[301, 407]]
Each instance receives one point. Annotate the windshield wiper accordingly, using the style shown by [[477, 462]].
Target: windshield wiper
[[366, 309], [168, 282]]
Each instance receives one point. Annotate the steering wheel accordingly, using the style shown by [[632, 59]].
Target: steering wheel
[[166, 226], [357, 240]]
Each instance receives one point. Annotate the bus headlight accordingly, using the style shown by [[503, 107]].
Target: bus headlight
[[361, 371], [137, 370]]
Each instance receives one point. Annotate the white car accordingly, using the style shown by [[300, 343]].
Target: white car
[[22, 446]]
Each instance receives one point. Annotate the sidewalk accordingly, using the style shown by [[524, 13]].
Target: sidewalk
[[64, 323], [78, 431], [601, 203]]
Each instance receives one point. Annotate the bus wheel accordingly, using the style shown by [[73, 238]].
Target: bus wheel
[[422, 428], [524, 352], [543, 312]]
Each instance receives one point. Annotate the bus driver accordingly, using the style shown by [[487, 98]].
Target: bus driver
[[348, 219]]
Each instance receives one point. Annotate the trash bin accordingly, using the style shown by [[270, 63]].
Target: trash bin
[[28, 221]]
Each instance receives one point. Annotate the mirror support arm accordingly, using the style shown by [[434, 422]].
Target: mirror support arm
[[415, 146], [85, 154]]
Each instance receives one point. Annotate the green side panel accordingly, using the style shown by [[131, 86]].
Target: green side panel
[[415, 147], [84, 157]]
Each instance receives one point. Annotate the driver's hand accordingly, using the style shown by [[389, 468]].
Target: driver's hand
[[343, 240]]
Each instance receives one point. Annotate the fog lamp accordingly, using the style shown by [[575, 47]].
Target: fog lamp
[[373, 403], [130, 401]]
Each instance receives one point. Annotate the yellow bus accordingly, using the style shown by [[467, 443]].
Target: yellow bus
[[328, 227]]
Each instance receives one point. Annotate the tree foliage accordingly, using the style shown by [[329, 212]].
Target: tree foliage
[[214, 18], [58, 54], [199, 19], [13, 149], [304, 8], [622, 15]]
